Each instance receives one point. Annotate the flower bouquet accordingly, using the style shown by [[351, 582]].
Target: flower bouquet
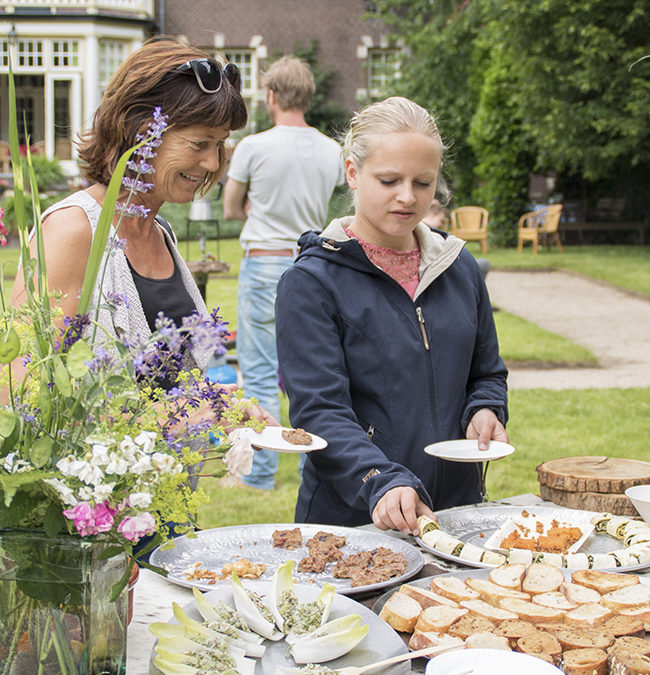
[[95, 454]]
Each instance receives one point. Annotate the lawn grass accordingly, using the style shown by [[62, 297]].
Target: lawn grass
[[543, 425]]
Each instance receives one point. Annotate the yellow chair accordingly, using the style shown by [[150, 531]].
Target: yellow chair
[[471, 224], [542, 224], [5, 158]]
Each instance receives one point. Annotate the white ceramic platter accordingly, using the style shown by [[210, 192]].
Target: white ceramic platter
[[466, 450]]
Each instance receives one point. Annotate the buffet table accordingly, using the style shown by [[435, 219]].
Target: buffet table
[[153, 596]]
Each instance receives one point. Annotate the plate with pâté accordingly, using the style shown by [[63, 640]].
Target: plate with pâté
[[284, 439]]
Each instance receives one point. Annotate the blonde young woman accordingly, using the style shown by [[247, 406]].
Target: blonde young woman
[[386, 339]]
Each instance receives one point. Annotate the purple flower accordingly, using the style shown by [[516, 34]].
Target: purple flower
[[141, 167], [26, 359], [116, 299], [136, 210], [136, 185], [74, 328]]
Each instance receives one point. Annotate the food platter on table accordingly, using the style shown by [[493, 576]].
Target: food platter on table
[[219, 546], [381, 642], [474, 525]]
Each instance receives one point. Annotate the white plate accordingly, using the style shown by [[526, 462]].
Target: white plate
[[381, 642], [270, 438], [488, 662], [530, 524], [466, 450]]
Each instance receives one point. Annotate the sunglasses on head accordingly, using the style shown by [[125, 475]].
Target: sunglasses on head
[[209, 74]]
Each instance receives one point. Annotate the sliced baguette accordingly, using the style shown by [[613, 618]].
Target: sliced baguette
[[439, 619], [633, 645], [513, 629], [425, 597], [541, 578], [554, 600], [588, 615], [401, 612], [584, 638], [624, 598], [487, 640], [541, 644], [641, 612], [579, 594], [482, 608], [453, 588], [627, 663], [621, 625], [585, 662], [529, 611], [491, 592], [509, 576], [603, 582], [422, 640], [470, 624]]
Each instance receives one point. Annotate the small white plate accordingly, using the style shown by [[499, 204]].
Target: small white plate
[[488, 662], [270, 438], [530, 524], [466, 450]]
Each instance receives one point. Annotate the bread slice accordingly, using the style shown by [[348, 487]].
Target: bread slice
[[624, 598], [513, 629], [509, 576], [634, 645], [627, 663], [621, 625], [469, 624], [579, 594], [541, 644], [641, 612], [529, 611], [487, 640], [554, 600], [422, 640], [584, 638], [401, 612], [541, 578], [589, 614], [439, 619], [585, 662], [425, 597], [603, 582], [492, 593], [453, 588], [482, 608]]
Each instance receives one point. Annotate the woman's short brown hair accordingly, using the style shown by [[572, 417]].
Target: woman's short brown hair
[[146, 79]]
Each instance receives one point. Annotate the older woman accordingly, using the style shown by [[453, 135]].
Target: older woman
[[202, 104]]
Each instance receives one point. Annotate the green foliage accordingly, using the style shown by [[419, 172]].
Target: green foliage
[[48, 172]]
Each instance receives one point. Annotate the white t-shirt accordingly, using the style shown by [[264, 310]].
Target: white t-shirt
[[291, 173]]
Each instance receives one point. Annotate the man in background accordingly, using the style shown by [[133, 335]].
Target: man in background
[[280, 182]]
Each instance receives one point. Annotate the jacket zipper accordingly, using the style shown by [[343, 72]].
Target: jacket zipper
[[423, 329]]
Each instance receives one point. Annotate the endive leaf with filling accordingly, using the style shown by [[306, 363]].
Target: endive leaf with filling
[[253, 610], [330, 641]]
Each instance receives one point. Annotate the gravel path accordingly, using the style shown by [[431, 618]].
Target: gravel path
[[613, 324]]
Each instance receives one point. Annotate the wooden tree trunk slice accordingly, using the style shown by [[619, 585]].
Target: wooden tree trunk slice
[[609, 475], [618, 504]]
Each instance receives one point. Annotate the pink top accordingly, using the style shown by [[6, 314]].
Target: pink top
[[403, 266]]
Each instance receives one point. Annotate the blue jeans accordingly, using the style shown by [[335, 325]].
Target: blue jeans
[[256, 351]]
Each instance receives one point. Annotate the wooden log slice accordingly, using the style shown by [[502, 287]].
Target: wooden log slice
[[609, 475], [620, 505]]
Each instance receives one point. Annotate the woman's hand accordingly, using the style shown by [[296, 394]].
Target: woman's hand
[[399, 509], [485, 427]]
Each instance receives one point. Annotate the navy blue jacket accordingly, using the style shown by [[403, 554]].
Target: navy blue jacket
[[380, 376]]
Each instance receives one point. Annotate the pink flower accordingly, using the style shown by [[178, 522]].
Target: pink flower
[[91, 520], [134, 528]]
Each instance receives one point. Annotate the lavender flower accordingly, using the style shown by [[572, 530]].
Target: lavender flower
[[136, 185], [116, 299], [74, 328], [136, 210]]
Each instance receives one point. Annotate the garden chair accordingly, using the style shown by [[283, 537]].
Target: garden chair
[[542, 224], [471, 224], [5, 158]]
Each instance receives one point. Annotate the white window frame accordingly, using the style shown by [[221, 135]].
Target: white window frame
[[67, 52], [111, 55], [388, 61], [37, 56], [248, 71]]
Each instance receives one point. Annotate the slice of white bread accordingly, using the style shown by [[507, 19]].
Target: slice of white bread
[[554, 600], [624, 598], [422, 640], [508, 576], [491, 592], [482, 608], [541, 644], [585, 662], [626, 663], [487, 640], [513, 629], [529, 611], [453, 588], [401, 612], [425, 597], [469, 624], [633, 645], [438, 619], [541, 578], [584, 638], [621, 625], [589, 614], [603, 582], [641, 612], [579, 594]]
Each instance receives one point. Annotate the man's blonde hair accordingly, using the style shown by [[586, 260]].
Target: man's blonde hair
[[292, 82]]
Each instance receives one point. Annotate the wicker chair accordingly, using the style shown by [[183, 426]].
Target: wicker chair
[[542, 224], [471, 224]]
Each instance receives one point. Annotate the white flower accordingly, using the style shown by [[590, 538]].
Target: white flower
[[140, 500], [70, 465], [66, 494], [89, 474], [146, 440], [164, 463], [116, 464], [100, 454], [142, 465], [102, 492], [239, 458], [85, 493], [128, 448], [13, 465]]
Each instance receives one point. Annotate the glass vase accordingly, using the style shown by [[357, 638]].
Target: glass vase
[[56, 613]]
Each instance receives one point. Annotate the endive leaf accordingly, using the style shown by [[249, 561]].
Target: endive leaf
[[251, 608], [281, 586], [327, 645]]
